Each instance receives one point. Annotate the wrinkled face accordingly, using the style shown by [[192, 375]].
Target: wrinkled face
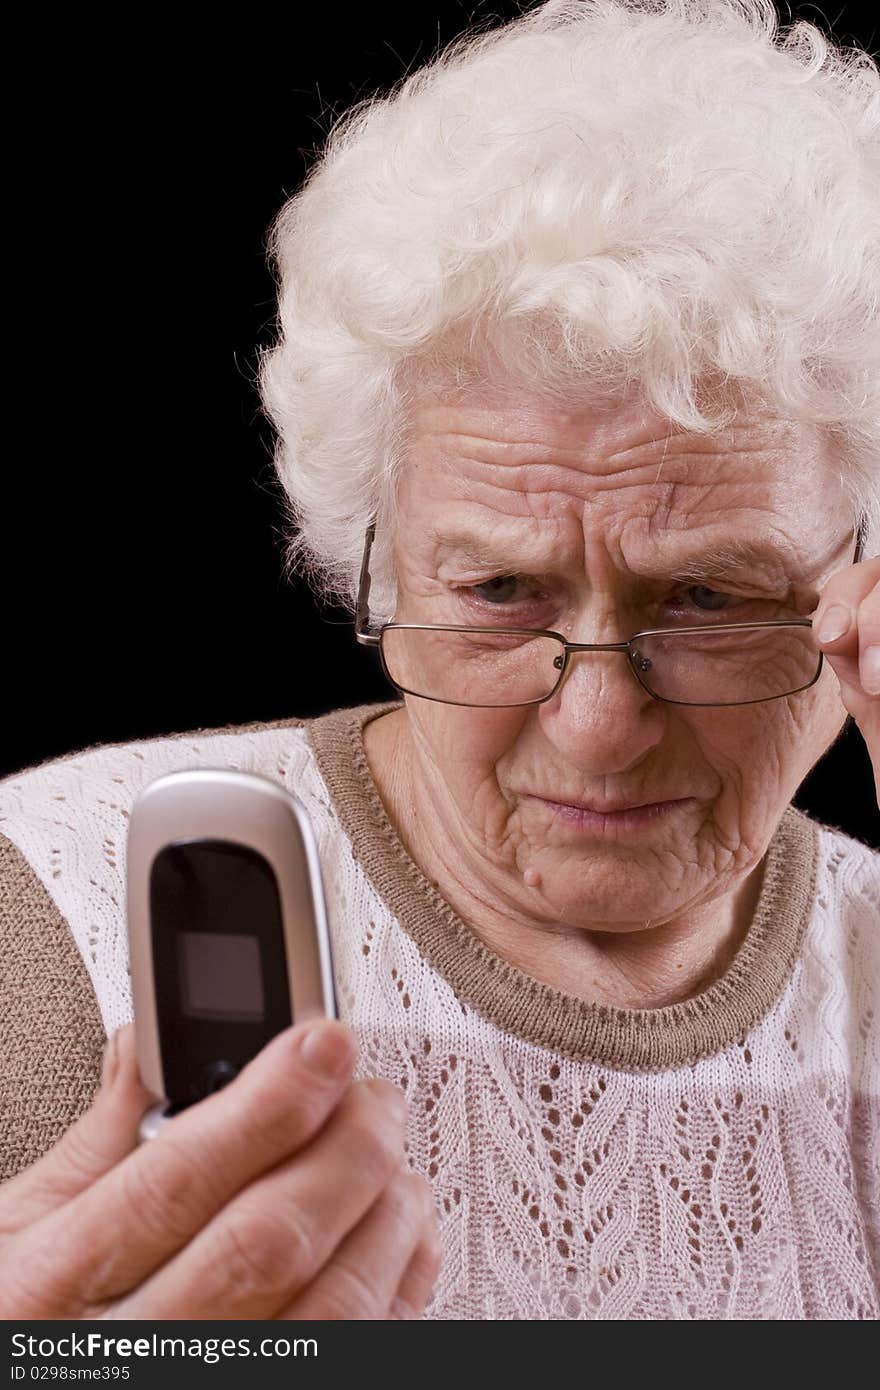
[[587, 515]]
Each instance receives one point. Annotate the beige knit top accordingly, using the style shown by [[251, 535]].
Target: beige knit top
[[713, 1158]]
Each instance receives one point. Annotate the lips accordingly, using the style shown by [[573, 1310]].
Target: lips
[[608, 808], [611, 825]]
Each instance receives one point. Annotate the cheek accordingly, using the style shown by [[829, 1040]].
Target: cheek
[[761, 753], [466, 744]]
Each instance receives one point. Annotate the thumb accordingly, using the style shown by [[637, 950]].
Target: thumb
[[93, 1144]]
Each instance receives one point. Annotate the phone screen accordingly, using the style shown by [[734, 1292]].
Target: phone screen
[[220, 975], [220, 964]]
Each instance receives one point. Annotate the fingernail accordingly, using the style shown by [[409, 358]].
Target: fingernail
[[325, 1050], [871, 670], [110, 1062], [834, 624]]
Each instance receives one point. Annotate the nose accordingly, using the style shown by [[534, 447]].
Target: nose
[[600, 717]]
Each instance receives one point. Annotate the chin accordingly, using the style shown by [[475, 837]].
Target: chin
[[606, 894]]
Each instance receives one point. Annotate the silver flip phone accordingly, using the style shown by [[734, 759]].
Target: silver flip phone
[[227, 929]]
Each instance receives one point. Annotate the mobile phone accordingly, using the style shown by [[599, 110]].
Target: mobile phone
[[227, 929]]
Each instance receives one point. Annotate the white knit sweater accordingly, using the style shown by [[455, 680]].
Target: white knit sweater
[[714, 1159]]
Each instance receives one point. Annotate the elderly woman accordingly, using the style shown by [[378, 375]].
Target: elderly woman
[[577, 398]]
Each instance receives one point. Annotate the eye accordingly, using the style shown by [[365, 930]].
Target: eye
[[710, 600], [499, 591]]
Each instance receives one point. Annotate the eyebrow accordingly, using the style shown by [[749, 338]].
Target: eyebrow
[[734, 556], [731, 557]]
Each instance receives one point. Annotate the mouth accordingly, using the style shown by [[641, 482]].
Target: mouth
[[620, 818]]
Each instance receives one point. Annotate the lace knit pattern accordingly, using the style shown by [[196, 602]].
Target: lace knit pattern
[[743, 1185]]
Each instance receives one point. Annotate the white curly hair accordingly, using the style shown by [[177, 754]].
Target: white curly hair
[[595, 195]]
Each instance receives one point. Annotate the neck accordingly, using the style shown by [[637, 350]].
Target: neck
[[648, 968]]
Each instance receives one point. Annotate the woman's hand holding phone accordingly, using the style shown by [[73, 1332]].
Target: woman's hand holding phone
[[285, 1195]]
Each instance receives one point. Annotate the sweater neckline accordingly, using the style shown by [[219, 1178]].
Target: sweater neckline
[[642, 1040]]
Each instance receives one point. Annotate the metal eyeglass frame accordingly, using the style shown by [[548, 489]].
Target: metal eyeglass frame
[[374, 639]]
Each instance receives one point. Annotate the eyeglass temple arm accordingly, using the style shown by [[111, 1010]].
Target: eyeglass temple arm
[[362, 613], [861, 537]]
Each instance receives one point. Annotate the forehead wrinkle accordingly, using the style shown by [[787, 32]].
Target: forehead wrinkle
[[510, 443], [586, 481], [548, 468], [739, 440]]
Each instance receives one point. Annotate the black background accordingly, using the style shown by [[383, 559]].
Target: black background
[[141, 527]]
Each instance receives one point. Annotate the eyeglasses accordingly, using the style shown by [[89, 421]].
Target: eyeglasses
[[501, 667]]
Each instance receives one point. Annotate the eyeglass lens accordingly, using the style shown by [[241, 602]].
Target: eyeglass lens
[[501, 668]]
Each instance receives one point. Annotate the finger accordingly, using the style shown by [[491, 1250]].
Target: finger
[[93, 1144], [834, 622], [868, 620], [267, 1245], [853, 651], [362, 1277], [113, 1234], [419, 1278], [852, 648]]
